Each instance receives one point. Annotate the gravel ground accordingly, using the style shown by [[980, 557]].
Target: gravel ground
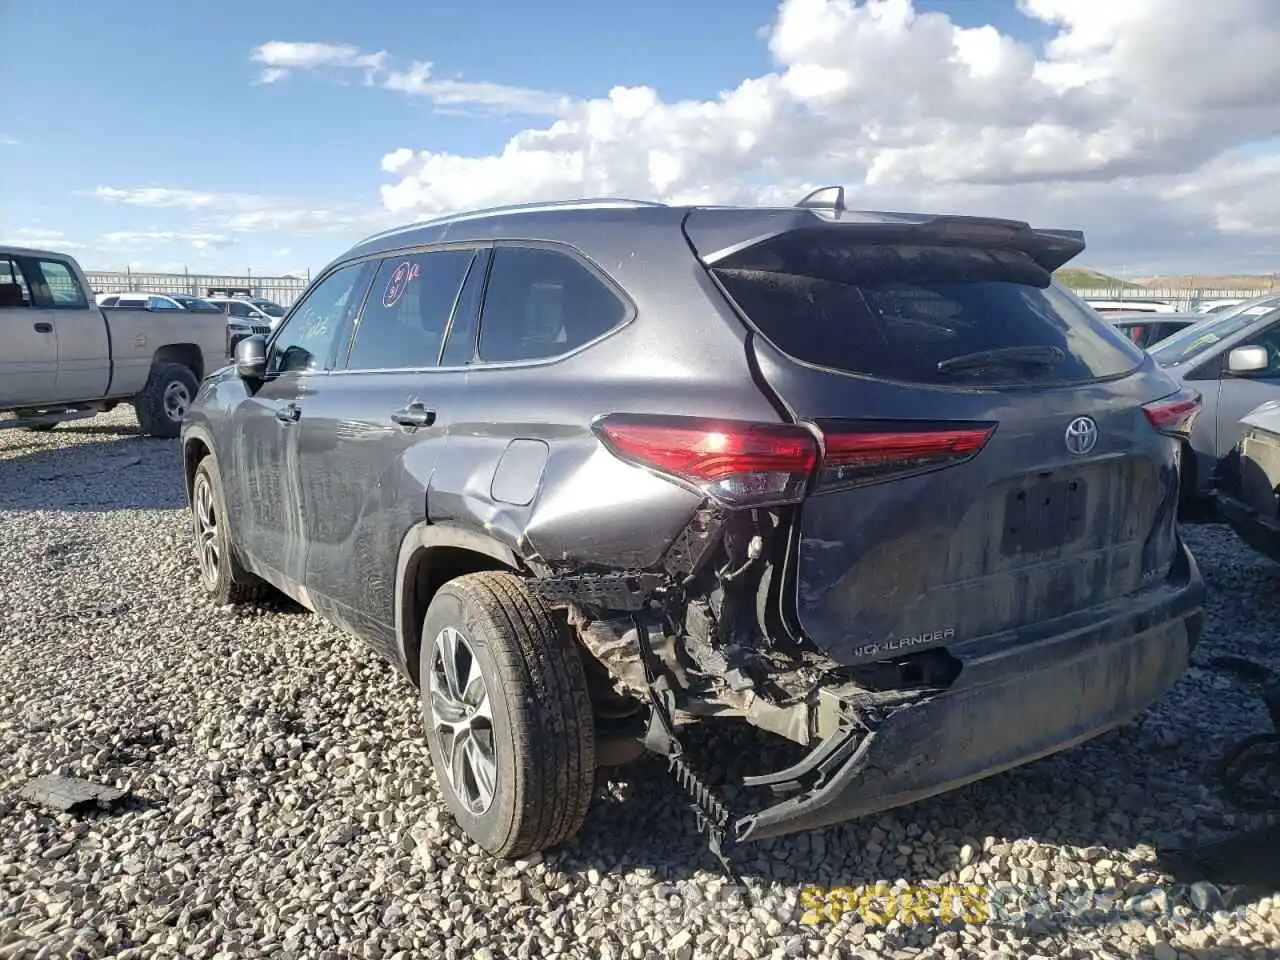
[[284, 804]]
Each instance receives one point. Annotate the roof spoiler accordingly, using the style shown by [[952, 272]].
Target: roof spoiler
[[730, 236]]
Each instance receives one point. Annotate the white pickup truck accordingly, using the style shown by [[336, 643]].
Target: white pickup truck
[[62, 357]]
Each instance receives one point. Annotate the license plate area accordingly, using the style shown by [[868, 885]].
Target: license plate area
[[1044, 516]]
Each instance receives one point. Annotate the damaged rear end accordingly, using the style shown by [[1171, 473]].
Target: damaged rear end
[[954, 551]]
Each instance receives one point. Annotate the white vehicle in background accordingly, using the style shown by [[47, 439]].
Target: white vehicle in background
[[248, 317], [137, 300], [1216, 306], [257, 311], [1131, 305]]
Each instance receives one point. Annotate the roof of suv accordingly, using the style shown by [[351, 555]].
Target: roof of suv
[[572, 221]]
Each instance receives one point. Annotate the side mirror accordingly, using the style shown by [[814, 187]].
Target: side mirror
[[251, 358], [1245, 360]]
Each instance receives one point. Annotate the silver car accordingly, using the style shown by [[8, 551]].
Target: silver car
[[1232, 359]]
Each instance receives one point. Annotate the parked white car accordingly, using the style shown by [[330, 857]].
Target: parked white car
[[1131, 305], [1216, 306], [256, 313]]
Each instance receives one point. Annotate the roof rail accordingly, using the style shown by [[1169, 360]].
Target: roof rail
[[591, 203], [821, 198]]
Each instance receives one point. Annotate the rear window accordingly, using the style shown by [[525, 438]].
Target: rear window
[[910, 312]]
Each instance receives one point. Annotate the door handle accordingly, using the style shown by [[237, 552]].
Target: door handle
[[43, 327], [289, 413], [414, 415]]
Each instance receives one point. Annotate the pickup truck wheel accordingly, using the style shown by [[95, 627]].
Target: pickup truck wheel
[[220, 573], [164, 400], [508, 715]]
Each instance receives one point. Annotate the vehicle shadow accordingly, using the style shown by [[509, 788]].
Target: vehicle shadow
[[119, 472]]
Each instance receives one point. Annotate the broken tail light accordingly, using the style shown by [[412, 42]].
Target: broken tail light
[[736, 463], [861, 454], [1175, 414], [744, 464]]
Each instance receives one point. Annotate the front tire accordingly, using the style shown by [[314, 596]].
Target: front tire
[[220, 572], [508, 715], [165, 399]]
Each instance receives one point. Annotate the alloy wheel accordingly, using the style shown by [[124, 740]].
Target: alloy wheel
[[206, 524], [462, 719]]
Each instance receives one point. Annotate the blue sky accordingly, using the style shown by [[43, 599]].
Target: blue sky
[[153, 141], [160, 94]]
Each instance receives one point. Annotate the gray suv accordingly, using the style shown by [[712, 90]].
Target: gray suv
[[589, 472]]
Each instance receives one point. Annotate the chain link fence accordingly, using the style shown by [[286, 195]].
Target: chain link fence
[[282, 290]]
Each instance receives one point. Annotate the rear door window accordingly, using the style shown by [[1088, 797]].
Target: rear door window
[[930, 314], [404, 321], [60, 286], [14, 291], [541, 303]]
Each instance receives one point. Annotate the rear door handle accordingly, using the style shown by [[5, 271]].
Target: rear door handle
[[42, 327], [289, 413], [414, 415]]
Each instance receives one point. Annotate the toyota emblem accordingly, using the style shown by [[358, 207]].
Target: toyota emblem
[[1082, 435]]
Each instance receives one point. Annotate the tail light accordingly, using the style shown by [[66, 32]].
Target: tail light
[[735, 462], [859, 454], [1175, 414], [743, 464]]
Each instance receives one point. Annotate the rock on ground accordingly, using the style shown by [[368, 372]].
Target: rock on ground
[[284, 804]]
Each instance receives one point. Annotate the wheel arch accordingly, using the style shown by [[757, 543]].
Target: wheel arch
[[430, 556], [196, 445], [188, 355]]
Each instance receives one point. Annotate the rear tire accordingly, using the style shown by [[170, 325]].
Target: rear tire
[[164, 400], [220, 572], [510, 726]]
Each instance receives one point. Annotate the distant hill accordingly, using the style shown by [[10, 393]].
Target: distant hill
[[1092, 279], [1206, 281]]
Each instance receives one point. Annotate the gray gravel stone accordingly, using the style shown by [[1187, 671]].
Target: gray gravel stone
[[287, 808]]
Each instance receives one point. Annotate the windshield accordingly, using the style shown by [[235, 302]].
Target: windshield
[[1192, 341], [269, 308], [197, 304]]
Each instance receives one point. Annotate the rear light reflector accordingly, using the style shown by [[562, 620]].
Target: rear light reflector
[[1175, 414], [744, 464], [859, 454], [735, 462]]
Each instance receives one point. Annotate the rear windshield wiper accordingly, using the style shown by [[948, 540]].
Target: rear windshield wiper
[[1042, 355]]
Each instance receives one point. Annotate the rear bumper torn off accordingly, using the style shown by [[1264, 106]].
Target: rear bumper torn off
[[1009, 706]]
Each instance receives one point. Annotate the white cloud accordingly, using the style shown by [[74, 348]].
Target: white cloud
[[201, 241], [246, 213], [282, 57], [39, 237], [8, 141], [164, 197], [1127, 123], [450, 94]]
